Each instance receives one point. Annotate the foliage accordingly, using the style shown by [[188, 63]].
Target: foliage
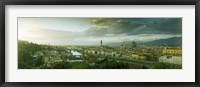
[[167, 66], [25, 52], [110, 64], [60, 65]]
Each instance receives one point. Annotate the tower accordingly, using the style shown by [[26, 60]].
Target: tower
[[101, 42], [133, 44]]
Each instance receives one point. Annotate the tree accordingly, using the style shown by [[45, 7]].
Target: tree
[[38, 61], [167, 66], [61, 65]]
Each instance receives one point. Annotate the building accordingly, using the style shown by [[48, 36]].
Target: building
[[133, 44], [172, 51], [76, 54], [138, 56], [75, 60], [171, 59], [101, 43]]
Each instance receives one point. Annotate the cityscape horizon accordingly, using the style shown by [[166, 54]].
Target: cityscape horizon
[[99, 43]]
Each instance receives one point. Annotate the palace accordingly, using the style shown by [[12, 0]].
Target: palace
[[172, 51]]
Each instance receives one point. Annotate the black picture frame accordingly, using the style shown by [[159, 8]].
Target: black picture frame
[[98, 2]]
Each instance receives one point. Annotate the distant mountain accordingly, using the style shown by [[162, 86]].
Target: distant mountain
[[174, 41]]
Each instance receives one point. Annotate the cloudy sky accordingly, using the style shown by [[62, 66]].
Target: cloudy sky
[[89, 31]]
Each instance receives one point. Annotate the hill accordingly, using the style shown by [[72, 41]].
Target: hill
[[174, 41]]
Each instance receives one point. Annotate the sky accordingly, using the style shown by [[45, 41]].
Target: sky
[[89, 31]]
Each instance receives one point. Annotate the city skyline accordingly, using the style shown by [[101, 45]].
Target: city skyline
[[89, 31]]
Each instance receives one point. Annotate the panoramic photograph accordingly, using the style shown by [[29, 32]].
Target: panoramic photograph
[[99, 43]]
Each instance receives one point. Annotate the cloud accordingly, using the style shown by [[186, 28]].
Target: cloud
[[123, 26], [134, 26], [104, 26], [96, 31], [100, 21]]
